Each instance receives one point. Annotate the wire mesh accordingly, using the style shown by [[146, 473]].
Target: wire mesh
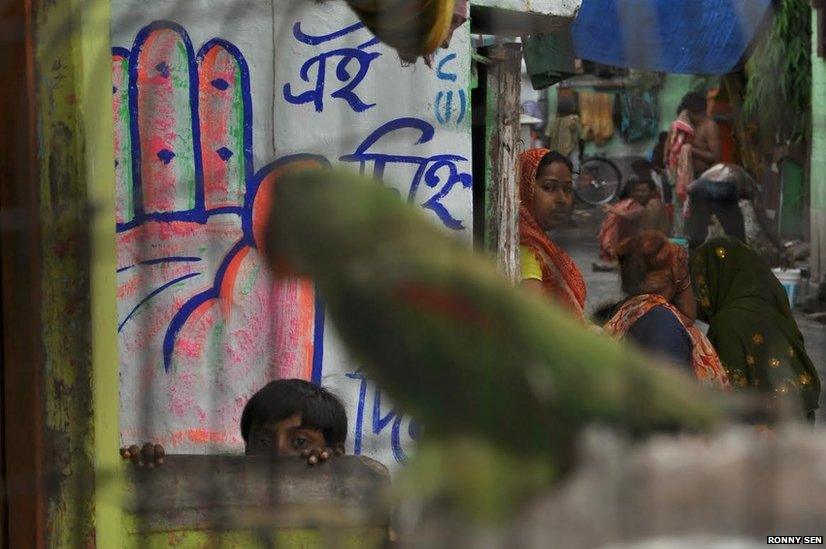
[[212, 101]]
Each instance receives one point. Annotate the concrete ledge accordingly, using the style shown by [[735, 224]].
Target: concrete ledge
[[196, 492], [522, 17], [560, 8]]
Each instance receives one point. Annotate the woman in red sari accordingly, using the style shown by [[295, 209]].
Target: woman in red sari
[[658, 314], [546, 193]]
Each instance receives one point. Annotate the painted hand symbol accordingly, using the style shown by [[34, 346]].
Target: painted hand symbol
[[183, 159], [187, 207]]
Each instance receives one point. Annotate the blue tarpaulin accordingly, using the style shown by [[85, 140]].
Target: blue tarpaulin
[[680, 36]]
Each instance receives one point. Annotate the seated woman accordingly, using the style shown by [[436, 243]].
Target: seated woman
[[639, 209], [751, 324], [654, 272], [546, 192]]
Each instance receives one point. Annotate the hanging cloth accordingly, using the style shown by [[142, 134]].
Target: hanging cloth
[[549, 58], [563, 134], [639, 115], [595, 110]]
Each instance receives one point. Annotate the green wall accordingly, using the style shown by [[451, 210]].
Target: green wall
[[818, 163]]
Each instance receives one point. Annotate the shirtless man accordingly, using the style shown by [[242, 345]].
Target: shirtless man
[[705, 150]]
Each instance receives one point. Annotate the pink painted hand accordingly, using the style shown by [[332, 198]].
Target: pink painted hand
[[183, 158], [193, 293]]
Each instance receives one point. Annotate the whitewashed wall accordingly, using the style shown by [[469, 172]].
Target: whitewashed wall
[[201, 324]]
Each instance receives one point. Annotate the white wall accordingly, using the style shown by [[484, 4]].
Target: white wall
[[397, 93], [201, 324]]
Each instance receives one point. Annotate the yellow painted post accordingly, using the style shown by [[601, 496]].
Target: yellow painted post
[[81, 386], [96, 113]]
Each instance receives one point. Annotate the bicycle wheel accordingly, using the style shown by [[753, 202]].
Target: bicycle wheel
[[598, 182]]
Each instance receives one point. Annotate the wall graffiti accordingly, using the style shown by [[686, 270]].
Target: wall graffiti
[[443, 105], [379, 421], [426, 168], [359, 55], [201, 324]]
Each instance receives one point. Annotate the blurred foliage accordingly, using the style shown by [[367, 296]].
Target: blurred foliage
[[779, 86]]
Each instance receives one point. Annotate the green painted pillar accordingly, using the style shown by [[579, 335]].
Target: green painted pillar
[[792, 204], [79, 389], [818, 163]]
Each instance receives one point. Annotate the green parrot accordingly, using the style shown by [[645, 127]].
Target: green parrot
[[452, 342]]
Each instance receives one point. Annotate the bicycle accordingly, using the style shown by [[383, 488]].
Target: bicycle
[[598, 180]]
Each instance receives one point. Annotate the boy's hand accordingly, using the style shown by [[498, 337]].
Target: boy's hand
[[319, 455], [150, 456]]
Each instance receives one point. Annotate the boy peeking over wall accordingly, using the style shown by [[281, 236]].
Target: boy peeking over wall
[[287, 417]]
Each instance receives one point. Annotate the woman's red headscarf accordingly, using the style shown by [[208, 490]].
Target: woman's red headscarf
[[561, 278]]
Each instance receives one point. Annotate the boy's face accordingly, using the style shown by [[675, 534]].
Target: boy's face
[[283, 438]]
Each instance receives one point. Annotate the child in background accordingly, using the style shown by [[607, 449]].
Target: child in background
[[288, 417], [640, 208]]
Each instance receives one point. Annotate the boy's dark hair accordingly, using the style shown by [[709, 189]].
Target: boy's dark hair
[[552, 157], [693, 102], [320, 409]]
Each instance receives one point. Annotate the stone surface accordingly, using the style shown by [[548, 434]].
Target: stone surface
[[731, 489]]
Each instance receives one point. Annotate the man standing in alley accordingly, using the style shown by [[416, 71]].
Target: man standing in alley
[[692, 146], [705, 150]]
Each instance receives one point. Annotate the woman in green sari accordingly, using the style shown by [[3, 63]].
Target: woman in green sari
[[751, 324]]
